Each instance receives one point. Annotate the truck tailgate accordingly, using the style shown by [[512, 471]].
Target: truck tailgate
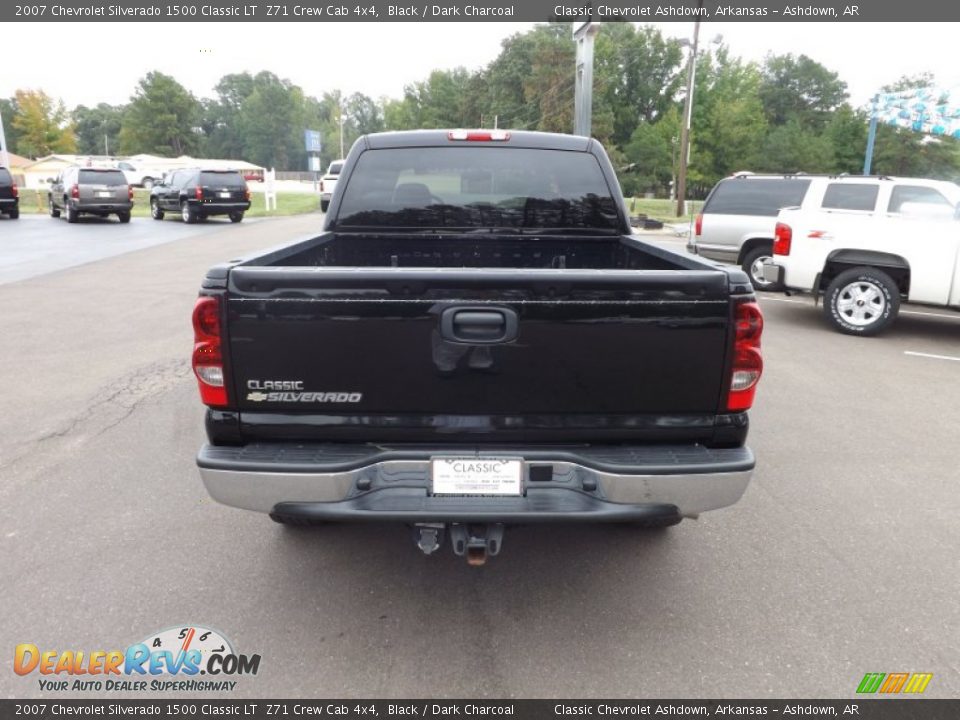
[[449, 349]]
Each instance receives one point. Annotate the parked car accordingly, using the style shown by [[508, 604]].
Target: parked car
[[476, 339], [9, 195], [90, 191], [197, 194], [328, 182], [140, 176], [253, 175], [867, 244]]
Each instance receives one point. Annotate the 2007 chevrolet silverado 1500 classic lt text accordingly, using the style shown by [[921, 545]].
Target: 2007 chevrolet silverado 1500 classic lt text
[[476, 340]]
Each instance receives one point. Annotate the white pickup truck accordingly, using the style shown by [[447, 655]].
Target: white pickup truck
[[902, 244], [328, 182]]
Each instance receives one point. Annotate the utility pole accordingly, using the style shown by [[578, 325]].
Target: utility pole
[[341, 132], [871, 135], [687, 116], [583, 94]]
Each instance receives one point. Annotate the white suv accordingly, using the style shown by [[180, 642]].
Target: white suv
[[865, 244], [739, 216]]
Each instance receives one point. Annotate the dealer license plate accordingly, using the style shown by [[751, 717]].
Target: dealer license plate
[[225, 194], [477, 476], [104, 194]]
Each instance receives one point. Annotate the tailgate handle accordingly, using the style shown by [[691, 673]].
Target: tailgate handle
[[478, 326]]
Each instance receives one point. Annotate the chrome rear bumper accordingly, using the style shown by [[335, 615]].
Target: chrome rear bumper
[[575, 484]]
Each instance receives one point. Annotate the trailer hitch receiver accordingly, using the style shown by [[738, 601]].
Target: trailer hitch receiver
[[476, 542]]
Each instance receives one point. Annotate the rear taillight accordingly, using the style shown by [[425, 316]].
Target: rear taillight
[[207, 355], [246, 194], [129, 192], [16, 192], [782, 237], [747, 361], [321, 186], [479, 135], [75, 192], [698, 225], [198, 193]]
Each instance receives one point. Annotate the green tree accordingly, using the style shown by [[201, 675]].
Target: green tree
[[729, 125], [637, 75], [8, 111], [800, 89], [363, 115], [220, 117], [42, 126], [272, 122], [97, 129], [651, 157], [163, 118], [530, 85], [847, 134], [791, 148]]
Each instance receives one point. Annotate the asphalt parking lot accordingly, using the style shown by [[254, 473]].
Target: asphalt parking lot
[[841, 559], [38, 244]]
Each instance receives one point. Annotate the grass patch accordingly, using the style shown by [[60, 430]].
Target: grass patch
[[662, 209], [35, 202]]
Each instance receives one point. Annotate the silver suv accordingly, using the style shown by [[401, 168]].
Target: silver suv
[[738, 219], [91, 191]]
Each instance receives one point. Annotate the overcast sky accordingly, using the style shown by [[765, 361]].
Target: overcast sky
[[88, 63]]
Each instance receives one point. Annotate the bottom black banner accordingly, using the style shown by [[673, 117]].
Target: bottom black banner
[[866, 709]]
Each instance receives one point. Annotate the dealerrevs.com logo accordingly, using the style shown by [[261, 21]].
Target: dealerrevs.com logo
[[181, 659]]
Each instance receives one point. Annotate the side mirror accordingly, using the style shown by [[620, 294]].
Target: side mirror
[[51, 181]]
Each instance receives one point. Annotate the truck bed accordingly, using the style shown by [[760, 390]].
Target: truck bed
[[360, 320]]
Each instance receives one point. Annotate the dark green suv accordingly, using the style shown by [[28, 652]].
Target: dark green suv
[[197, 194], [9, 195]]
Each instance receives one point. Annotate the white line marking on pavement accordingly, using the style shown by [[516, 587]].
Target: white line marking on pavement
[[929, 314], [929, 355], [779, 299]]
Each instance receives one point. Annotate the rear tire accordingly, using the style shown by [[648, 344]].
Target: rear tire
[[236, 217], [862, 301], [72, 214], [295, 521], [54, 213], [753, 267], [187, 213], [123, 217], [155, 212], [15, 213], [324, 204]]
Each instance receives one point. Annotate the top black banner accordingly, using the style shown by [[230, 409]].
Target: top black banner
[[481, 10]]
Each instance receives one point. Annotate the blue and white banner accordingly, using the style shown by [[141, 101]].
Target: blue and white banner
[[930, 110]]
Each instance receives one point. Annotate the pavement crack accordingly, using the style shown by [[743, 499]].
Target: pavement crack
[[111, 405]]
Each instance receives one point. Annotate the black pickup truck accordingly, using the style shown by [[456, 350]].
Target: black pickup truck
[[476, 340]]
